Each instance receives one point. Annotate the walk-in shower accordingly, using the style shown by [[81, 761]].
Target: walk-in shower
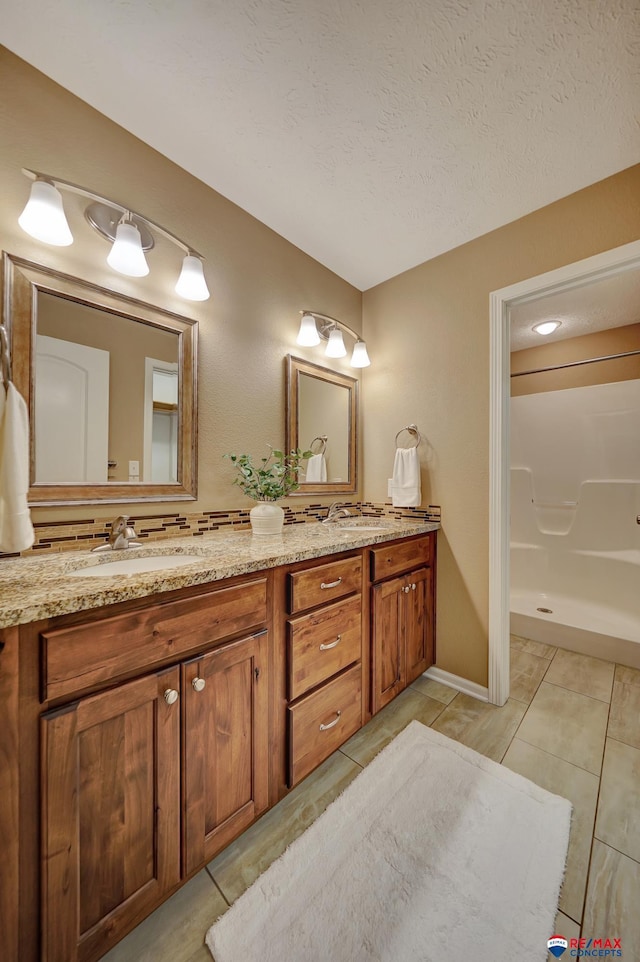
[[575, 519]]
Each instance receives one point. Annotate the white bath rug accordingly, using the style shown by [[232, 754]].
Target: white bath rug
[[432, 853]]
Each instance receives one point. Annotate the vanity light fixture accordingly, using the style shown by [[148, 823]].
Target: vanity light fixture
[[127, 256], [130, 233], [315, 327], [308, 334], [546, 327], [335, 345], [360, 358], [44, 217], [191, 283]]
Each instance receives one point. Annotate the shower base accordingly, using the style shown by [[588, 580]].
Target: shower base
[[583, 626]]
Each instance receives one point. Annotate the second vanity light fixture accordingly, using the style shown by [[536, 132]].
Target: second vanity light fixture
[[130, 233], [315, 327]]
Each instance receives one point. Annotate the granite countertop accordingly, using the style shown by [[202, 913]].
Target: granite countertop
[[37, 587]]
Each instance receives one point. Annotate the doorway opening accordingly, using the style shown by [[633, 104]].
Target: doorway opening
[[502, 303]]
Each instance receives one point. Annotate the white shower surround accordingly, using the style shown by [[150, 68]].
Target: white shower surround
[[575, 498]]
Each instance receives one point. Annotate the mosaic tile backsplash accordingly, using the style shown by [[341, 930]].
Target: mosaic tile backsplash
[[75, 535]]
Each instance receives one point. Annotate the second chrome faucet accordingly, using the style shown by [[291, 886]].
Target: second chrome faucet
[[336, 510], [121, 536]]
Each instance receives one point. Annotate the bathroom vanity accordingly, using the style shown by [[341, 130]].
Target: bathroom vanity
[[146, 721]]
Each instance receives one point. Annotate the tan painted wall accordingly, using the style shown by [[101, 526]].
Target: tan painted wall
[[617, 340], [428, 330], [258, 281]]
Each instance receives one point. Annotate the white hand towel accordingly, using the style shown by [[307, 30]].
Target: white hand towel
[[16, 530], [316, 468], [405, 484]]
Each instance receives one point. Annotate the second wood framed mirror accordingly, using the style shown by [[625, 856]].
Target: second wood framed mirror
[[322, 416]]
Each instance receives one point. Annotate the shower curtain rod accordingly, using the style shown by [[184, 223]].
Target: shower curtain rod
[[589, 360]]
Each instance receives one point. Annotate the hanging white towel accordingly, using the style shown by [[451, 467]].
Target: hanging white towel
[[405, 483], [16, 530], [316, 468]]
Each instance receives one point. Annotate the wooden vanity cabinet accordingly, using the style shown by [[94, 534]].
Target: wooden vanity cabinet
[[225, 746], [144, 782], [402, 616], [110, 814], [141, 738], [324, 661]]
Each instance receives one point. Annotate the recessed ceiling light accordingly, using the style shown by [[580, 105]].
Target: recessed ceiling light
[[547, 327]]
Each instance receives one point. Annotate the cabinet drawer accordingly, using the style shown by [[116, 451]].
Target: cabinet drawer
[[322, 721], [391, 559], [84, 656], [323, 643], [317, 586]]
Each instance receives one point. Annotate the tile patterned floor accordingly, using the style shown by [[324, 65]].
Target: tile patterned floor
[[572, 724]]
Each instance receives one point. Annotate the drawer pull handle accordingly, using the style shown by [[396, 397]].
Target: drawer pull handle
[[333, 644], [331, 584], [198, 684], [171, 696], [413, 586], [324, 728]]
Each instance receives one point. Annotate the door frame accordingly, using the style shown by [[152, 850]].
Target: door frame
[[152, 364], [607, 264]]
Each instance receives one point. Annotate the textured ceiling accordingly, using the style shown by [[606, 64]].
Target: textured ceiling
[[373, 134], [597, 306]]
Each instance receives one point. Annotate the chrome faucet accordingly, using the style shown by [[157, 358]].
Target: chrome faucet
[[121, 536], [336, 510]]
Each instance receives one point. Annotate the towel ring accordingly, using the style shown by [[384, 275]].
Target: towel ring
[[5, 366], [323, 441], [413, 431]]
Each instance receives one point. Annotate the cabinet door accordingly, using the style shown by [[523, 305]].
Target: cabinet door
[[110, 815], [388, 614], [418, 623], [225, 736]]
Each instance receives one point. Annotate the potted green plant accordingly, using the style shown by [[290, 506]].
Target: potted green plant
[[273, 478]]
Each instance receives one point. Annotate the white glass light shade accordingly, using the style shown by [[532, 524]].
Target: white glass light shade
[[360, 358], [44, 217], [126, 256], [308, 334], [547, 327], [335, 344], [191, 283]]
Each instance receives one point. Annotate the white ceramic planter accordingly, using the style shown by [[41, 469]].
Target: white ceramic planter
[[267, 518]]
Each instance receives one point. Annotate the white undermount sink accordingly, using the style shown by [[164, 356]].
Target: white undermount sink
[[135, 566], [356, 525], [360, 527]]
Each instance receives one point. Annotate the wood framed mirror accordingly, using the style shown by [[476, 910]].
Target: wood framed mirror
[[322, 416], [111, 387]]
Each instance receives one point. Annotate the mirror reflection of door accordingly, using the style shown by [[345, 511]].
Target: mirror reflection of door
[[71, 411], [160, 421], [127, 343]]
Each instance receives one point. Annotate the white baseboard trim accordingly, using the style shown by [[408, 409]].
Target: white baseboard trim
[[460, 684]]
